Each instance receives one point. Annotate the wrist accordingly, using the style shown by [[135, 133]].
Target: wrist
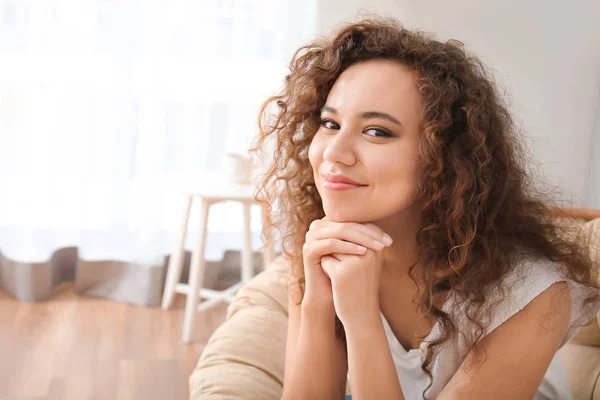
[[317, 320], [366, 337], [317, 309], [364, 324], [317, 305]]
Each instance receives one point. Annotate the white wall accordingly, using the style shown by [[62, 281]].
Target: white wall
[[546, 55], [593, 194]]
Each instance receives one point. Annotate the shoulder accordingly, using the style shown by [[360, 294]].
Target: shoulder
[[530, 289], [537, 291], [527, 341], [548, 313]]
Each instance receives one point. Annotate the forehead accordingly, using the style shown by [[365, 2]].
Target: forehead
[[376, 85]]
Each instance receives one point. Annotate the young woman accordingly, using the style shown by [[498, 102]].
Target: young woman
[[422, 261]]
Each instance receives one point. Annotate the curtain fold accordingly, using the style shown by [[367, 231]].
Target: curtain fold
[[108, 110]]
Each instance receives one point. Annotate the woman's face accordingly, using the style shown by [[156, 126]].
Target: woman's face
[[369, 133]]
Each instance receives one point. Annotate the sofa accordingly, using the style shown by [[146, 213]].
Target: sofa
[[245, 356]]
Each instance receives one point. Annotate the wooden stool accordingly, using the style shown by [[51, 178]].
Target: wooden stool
[[223, 191]]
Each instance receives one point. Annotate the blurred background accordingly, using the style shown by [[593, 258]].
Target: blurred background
[[109, 108]]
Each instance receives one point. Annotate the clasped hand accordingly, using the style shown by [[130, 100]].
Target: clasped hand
[[342, 266]]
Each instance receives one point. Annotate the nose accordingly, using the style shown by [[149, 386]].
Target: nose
[[341, 147]]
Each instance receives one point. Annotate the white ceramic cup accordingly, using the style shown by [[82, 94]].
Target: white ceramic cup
[[236, 167]]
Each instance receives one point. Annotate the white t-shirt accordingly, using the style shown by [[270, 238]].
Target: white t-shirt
[[526, 282]]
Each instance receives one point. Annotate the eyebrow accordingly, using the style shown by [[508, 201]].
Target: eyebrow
[[366, 114]]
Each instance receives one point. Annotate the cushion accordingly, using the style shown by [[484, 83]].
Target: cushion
[[582, 364], [588, 234], [245, 357]]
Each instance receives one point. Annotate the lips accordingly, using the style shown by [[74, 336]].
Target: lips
[[340, 179]]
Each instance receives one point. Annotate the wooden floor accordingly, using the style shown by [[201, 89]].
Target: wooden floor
[[83, 348]]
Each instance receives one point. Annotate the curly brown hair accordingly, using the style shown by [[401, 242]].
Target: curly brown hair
[[479, 203]]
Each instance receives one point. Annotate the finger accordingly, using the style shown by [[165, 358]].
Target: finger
[[315, 249], [336, 256], [377, 229], [367, 227], [329, 257], [341, 256], [348, 231], [327, 265]]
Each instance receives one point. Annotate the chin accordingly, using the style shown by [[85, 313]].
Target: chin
[[355, 212], [339, 214]]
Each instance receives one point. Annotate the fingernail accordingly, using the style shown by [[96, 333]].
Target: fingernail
[[387, 239], [378, 244]]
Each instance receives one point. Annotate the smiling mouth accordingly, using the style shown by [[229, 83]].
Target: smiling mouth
[[340, 185]]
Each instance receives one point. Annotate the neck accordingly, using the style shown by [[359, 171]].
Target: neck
[[403, 228]]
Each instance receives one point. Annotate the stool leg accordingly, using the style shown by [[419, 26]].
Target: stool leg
[[247, 265], [196, 281], [176, 260]]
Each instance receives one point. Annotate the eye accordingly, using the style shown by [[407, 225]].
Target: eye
[[382, 131], [329, 124]]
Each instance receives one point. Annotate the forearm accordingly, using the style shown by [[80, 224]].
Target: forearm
[[372, 371], [314, 375]]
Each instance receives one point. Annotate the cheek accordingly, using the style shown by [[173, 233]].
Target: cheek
[[401, 177], [314, 154]]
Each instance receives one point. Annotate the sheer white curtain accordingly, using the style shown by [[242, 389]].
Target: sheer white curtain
[[108, 106]]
